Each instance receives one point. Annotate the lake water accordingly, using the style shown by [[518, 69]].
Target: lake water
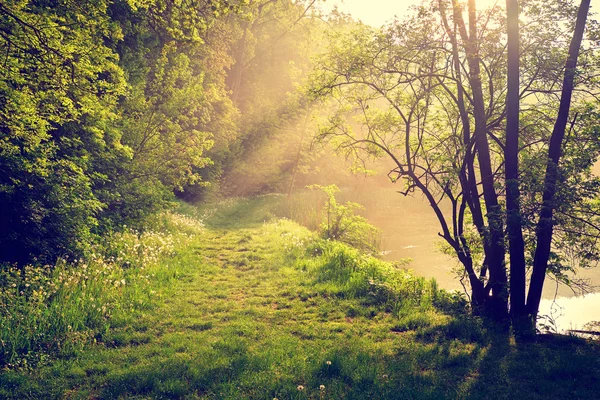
[[572, 312], [410, 230]]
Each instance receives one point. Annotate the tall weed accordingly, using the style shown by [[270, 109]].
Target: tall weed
[[340, 222]]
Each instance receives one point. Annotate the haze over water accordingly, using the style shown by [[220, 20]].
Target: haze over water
[[409, 227], [410, 230]]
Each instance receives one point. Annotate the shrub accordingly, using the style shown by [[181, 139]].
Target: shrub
[[341, 223], [341, 270]]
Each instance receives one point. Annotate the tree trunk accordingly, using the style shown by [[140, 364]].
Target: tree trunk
[[544, 226], [298, 154], [235, 76], [467, 172], [497, 305], [511, 157]]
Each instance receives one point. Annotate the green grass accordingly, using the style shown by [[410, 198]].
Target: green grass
[[304, 207], [260, 307]]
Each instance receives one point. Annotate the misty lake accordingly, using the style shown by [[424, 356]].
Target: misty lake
[[410, 230]]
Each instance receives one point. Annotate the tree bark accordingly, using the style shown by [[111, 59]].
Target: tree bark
[[467, 175], [545, 224], [234, 78], [511, 157], [494, 239]]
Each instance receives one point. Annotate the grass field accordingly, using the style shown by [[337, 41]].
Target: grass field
[[250, 307]]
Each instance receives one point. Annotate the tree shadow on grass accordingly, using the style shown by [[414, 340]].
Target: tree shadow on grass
[[173, 378], [552, 367], [459, 359], [351, 369], [181, 375]]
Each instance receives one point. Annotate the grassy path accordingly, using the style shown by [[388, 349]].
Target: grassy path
[[247, 321]]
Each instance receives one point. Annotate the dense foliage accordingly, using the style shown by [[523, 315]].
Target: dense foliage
[[108, 107]]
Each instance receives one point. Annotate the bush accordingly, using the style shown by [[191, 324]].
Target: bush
[[341, 223]]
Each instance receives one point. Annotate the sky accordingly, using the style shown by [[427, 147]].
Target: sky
[[378, 12], [373, 12]]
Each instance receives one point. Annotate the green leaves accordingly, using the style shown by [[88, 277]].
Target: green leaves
[[106, 107], [58, 78], [404, 94], [341, 223]]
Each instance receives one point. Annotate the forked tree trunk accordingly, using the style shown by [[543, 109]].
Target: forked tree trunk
[[544, 226], [467, 175], [497, 304]]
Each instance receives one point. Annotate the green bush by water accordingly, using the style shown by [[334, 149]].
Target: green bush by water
[[337, 269]]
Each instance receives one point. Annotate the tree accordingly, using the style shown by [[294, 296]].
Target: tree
[[269, 25], [177, 104], [106, 108], [511, 155], [59, 83], [545, 222], [430, 93]]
